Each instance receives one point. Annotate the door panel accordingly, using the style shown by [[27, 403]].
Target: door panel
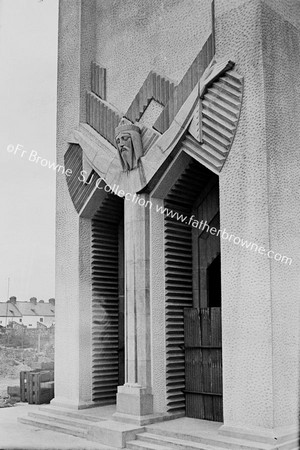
[[203, 363]]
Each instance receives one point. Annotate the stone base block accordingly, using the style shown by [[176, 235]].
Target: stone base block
[[281, 437], [61, 402], [113, 434], [135, 401]]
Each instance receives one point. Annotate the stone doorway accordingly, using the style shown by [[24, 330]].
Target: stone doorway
[[193, 289]]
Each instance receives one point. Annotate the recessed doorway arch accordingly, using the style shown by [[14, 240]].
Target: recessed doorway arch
[[192, 298]]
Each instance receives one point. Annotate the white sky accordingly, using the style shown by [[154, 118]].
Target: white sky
[[28, 61]]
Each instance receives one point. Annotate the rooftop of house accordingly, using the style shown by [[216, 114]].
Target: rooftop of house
[[14, 308], [7, 309], [40, 309]]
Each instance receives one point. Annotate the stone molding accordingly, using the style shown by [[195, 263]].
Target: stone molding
[[155, 87], [203, 127]]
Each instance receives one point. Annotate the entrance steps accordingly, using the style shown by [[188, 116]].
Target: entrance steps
[[63, 421], [93, 424], [50, 424], [97, 425], [161, 439], [149, 441]]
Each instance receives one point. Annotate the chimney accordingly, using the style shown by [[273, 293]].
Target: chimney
[[12, 300], [33, 300], [52, 301]]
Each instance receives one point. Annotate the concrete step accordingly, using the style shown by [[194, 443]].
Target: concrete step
[[174, 443], [60, 419], [50, 425], [139, 445], [212, 440], [69, 413]]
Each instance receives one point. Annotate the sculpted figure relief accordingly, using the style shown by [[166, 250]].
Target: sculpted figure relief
[[129, 143]]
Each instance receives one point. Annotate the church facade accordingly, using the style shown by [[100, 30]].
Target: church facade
[[177, 240]]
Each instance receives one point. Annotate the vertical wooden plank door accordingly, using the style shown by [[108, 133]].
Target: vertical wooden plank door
[[203, 363]]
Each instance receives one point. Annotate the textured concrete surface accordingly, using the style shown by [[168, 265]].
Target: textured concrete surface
[[136, 37], [258, 189], [135, 397], [288, 9], [15, 435], [281, 62], [246, 302], [73, 303], [157, 305]]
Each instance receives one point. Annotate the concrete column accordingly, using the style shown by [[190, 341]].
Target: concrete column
[[135, 397], [73, 363], [73, 338], [259, 199]]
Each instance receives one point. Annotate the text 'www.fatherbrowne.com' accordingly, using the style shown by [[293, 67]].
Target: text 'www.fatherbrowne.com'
[[204, 226], [140, 200]]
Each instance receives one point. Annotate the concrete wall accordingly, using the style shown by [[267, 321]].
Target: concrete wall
[[281, 63], [67, 221], [259, 193], [134, 37], [246, 300]]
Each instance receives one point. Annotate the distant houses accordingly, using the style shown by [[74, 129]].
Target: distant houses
[[32, 314]]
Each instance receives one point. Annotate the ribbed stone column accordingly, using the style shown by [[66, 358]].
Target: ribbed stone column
[[135, 397]]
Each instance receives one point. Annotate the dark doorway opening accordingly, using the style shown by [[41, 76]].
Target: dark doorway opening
[[214, 283], [107, 248], [203, 334]]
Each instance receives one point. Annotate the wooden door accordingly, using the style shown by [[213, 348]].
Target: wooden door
[[203, 363], [202, 324]]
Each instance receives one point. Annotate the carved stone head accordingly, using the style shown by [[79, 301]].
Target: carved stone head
[[129, 143]]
